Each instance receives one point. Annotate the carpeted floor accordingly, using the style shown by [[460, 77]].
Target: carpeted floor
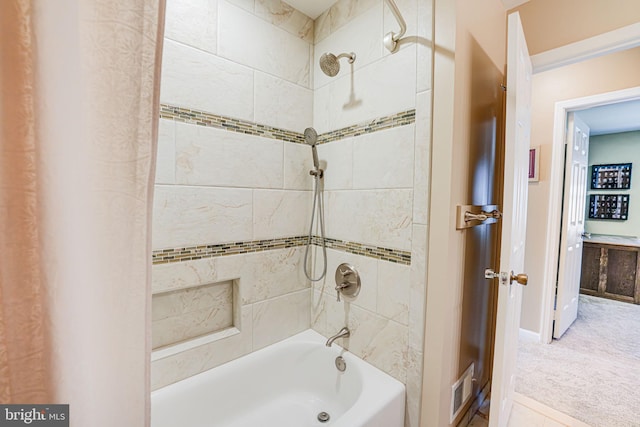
[[593, 372]]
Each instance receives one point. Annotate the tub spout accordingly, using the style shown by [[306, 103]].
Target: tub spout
[[344, 333]]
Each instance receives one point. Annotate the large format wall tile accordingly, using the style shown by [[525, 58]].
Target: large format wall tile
[[180, 275], [281, 213], [376, 217], [418, 286], [337, 158], [286, 17], [195, 79], [393, 291], [384, 159], [248, 5], [282, 104], [215, 157], [424, 43], [189, 216], [249, 40], [422, 158], [269, 274], [281, 317], [298, 161], [361, 36], [367, 269], [166, 160], [374, 338], [341, 13], [382, 88], [285, 274], [192, 22]]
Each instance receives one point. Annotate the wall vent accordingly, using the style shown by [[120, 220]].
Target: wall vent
[[461, 392]]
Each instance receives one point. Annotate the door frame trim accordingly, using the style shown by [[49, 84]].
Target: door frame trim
[[554, 219], [613, 41]]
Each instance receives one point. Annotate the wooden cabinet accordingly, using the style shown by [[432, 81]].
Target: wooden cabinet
[[611, 271]]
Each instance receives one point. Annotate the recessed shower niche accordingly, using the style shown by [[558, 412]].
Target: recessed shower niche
[[193, 312]]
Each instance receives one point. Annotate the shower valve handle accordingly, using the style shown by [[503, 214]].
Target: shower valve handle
[[347, 281], [340, 287]]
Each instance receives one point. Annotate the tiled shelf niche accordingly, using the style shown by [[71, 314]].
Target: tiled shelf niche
[[184, 315]]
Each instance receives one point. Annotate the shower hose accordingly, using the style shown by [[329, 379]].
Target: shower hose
[[317, 203]]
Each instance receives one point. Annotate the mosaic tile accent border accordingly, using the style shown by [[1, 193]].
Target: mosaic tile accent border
[[399, 119], [202, 118], [385, 254], [166, 256]]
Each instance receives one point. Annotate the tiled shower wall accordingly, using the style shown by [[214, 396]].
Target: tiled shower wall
[[376, 183], [232, 175], [223, 192]]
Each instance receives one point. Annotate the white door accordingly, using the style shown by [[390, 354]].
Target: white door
[[573, 215], [517, 131]]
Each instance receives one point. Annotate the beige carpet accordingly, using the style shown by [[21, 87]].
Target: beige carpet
[[593, 372]]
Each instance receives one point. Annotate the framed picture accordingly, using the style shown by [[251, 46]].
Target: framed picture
[[534, 164], [611, 177], [609, 206]]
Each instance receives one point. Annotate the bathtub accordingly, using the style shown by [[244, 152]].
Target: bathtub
[[287, 384]]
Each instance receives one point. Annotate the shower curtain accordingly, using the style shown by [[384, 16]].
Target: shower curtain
[[78, 117]]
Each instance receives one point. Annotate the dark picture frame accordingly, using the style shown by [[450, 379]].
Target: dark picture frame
[[609, 206], [615, 176]]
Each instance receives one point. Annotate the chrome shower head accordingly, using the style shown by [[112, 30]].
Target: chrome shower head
[[330, 65]]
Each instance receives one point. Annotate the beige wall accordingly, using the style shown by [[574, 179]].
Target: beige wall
[[462, 26], [549, 24], [599, 75]]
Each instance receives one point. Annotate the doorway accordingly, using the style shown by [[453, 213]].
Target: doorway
[[562, 109]]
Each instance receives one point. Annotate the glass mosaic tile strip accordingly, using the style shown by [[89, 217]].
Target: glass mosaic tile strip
[[165, 256], [202, 118]]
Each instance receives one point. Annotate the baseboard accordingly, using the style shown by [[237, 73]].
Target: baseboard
[[526, 335]]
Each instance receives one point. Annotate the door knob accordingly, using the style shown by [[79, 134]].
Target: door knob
[[521, 278], [504, 277]]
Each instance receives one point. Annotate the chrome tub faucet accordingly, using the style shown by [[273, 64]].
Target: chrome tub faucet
[[344, 333]]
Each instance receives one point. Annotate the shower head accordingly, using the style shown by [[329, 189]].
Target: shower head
[[310, 136], [330, 65]]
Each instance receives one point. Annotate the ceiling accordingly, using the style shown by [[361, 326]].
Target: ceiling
[[311, 8], [612, 118]]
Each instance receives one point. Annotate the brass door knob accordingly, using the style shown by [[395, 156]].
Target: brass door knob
[[520, 278]]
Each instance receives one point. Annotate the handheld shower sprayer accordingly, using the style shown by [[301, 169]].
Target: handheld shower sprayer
[[311, 138], [330, 64]]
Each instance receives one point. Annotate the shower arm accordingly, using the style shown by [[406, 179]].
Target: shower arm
[[391, 39], [350, 56]]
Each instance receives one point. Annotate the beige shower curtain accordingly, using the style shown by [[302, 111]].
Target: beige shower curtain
[[78, 119]]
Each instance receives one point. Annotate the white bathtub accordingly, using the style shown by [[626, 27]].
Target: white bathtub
[[284, 385]]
